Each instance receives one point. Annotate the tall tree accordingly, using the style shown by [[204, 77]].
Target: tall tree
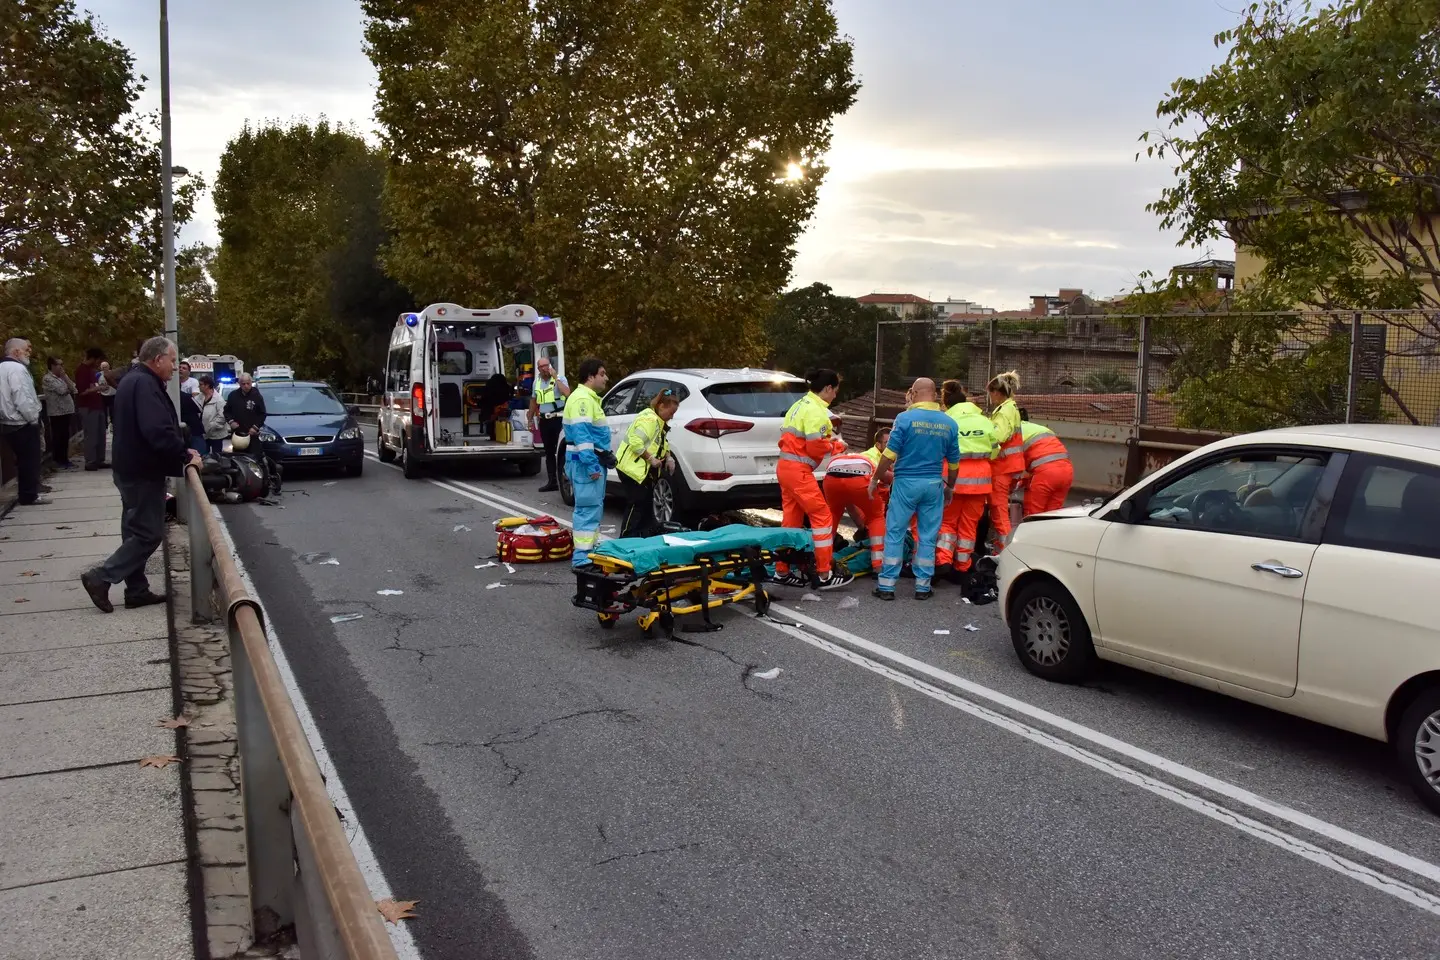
[[1315, 145], [641, 168], [79, 185], [813, 327], [297, 275]]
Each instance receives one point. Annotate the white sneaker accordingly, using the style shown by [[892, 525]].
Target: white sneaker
[[837, 578], [792, 579]]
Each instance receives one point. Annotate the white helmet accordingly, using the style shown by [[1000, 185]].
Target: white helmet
[[240, 441]]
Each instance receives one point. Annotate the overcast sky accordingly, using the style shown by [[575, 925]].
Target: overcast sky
[[990, 155]]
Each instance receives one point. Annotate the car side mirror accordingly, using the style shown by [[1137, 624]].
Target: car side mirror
[[1128, 511], [353, 410]]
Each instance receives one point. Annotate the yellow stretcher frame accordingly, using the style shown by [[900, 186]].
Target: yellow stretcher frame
[[612, 588]]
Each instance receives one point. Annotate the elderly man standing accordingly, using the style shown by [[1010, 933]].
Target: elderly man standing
[[245, 407], [20, 419], [547, 407], [149, 446], [924, 456]]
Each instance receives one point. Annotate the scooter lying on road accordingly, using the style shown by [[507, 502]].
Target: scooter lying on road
[[241, 475]]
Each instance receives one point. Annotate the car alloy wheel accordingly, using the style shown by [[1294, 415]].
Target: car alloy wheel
[[1427, 750], [1045, 628], [664, 501]]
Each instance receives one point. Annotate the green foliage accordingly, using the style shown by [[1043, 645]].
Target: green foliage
[[617, 163], [1108, 381], [1315, 144], [297, 276], [812, 327], [79, 186], [952, 357]]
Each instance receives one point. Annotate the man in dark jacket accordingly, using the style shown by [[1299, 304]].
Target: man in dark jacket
[[245, 408], [149, 446]]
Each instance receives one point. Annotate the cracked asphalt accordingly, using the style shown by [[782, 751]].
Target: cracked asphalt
[[549, 789]]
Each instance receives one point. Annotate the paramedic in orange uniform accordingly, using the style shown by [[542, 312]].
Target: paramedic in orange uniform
[[956, 546], [1048, 468], [847, 492], [1009, 464], [806, 439]]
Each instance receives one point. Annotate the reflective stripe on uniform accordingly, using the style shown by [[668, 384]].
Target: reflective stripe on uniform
[[972, 481], [815, 435], [583, 446], [1050, 459], [797, 458]]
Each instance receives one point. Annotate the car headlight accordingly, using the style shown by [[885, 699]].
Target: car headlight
[[267, 435], [350, 433]]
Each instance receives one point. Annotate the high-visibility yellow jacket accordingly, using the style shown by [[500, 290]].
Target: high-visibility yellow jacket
[[648, 434], [977, 446], [1006, 417], [807, 435]]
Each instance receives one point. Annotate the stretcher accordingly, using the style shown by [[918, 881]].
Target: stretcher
[[679, 574]]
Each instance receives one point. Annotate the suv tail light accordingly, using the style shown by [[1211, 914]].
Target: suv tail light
[[417, 405], [699, 475], [715, 429]]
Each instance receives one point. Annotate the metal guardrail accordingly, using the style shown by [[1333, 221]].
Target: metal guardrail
[[302, 871]]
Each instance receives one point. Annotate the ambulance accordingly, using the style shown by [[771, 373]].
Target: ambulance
[[224, 367], [453, 386]]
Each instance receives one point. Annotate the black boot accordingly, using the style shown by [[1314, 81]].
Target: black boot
[[550, 486]]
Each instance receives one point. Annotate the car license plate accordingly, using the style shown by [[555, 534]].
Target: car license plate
[[311, 451], [766, 464]]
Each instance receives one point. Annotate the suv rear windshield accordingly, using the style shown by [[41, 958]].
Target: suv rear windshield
[[756, 398]]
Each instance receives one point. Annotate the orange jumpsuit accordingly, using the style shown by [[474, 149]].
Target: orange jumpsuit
[[956, 545], [847, 484], [1006, 467], [1050, 471], [806, 439]]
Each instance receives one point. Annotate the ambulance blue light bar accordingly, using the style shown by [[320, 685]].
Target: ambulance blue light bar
[[411, 319]]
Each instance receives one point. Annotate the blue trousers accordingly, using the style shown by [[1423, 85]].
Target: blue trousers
[[589, 507], [923, 500]]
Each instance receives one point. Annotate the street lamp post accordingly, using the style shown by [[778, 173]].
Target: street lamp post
[[167, 207]]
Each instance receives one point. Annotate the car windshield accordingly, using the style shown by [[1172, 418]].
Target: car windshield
[[300, 400], [758, 398]]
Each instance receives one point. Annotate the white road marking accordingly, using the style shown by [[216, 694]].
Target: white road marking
[[897, 708], [1412, 895], [380, 889], [1304, 849], [1330, 831]]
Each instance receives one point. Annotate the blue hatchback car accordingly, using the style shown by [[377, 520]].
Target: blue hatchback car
[[306, 425]]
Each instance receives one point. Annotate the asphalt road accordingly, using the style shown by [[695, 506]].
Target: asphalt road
[[549, 789]]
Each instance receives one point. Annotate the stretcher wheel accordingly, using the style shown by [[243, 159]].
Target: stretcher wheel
[[608, 620]]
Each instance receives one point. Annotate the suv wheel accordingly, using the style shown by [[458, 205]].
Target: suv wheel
[[664, 500], [567, 489], [1417, 746], [1050, 634]]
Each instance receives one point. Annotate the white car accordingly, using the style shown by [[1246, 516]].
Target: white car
[[725, 437], [1294, 568]]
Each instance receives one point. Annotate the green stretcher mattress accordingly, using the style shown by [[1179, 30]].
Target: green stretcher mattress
[[647, 554]]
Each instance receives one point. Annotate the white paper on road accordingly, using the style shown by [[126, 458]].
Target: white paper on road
[[942, 633], [965, 600], [849, 603], [390, 593], [330, 483], [484, 566], [509, 568], [813, 598], [770, 674], [345, 617], [494, 586], [460, 527], [332, 562], [972, 628]]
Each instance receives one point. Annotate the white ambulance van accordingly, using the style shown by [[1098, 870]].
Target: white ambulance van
[[451, 375]]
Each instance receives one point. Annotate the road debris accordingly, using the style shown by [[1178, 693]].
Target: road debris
[[813, 598], [389, 593], [346, 617], [329, 483], [509, 569], [942, 633], [770, 674], [972, 628], [332, 562], [493, 586], [485, 566], [309, 558], [460, 528], [849, 603]]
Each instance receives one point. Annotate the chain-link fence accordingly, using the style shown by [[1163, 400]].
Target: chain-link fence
[[1227, 373]]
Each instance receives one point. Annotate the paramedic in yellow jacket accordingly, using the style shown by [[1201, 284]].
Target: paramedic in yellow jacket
[[645, 452], [1009, 463]]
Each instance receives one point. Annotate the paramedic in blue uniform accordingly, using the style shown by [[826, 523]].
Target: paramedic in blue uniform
[[923, 444], [587, 454]]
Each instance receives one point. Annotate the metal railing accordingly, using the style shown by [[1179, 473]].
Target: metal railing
[[302, 872]]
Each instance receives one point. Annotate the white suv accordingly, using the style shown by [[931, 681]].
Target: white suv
[[725, 437]]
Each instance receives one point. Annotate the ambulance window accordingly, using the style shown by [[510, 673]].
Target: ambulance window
[[398, 374], [454, 363]]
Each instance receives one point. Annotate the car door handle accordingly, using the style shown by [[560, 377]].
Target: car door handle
[[1279, 569]]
